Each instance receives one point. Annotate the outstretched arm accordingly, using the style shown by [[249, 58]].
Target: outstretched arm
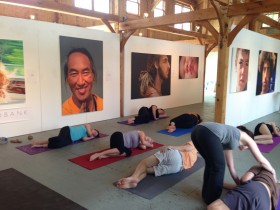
[[230, 163], [183, 148], [247, 141], [114, 152]]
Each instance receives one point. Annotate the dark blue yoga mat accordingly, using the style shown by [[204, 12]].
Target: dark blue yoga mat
[[178, 132], [152, 186]]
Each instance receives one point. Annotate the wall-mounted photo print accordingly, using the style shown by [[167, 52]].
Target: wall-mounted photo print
[[150, 75], [266, 72], [188, 67], [81, 75], [12, 81], [239, 70]]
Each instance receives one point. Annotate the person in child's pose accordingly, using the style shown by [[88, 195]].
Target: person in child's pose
[[169, 160], [67, 135], [122, 143]]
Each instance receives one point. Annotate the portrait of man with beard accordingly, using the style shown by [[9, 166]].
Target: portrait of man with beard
[[154, 81]]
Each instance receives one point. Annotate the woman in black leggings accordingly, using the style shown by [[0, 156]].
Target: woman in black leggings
[[186, 120], [215, 142], [146, 115]]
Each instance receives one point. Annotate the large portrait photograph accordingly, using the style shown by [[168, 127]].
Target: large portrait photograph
[[150, 75], [188, 67], [239, 70], [12, 74], [81, 75], [266, 72]]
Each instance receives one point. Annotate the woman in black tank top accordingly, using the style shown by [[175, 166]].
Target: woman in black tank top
[[264, 132]]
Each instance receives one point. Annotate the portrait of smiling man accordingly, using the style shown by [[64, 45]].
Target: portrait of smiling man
[[80, 77]]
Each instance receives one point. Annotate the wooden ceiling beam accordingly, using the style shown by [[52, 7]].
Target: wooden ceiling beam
[[61, 8], [258, 7], [180, 32], [198, 15], [241, 24], [268, 21]]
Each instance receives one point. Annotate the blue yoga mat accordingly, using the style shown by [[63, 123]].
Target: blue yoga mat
[[152, 186], [178, 132]]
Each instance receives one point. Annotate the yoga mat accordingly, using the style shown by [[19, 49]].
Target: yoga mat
[[134, 124], [83, 160], [19, 191], [267, 148], [178, 132], [152, 186], [35, 150]]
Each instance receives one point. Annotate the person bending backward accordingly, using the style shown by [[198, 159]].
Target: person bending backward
[[215, 142], [146, 115], [122, 143], [258, 191], [187, 120], [169, 160], [67, 135], [79, 72], [264, 132]]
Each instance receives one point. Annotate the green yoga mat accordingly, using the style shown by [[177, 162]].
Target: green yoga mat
[[19, 191]]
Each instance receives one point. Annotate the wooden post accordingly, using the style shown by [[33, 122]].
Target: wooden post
[[222, 72]]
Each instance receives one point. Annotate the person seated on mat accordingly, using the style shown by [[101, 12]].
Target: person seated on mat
[[258, 190], [146, 115], [67, 135], [122, 143], [264, 132], [169, 160], [187, 120]]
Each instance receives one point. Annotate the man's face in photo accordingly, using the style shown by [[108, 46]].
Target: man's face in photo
[[80, 76], [163, 67]]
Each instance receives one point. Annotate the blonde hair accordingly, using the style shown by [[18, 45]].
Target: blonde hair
[[146, 80]]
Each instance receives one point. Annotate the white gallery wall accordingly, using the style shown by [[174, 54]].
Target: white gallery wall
[[243, 107], [183, 91], [42, 107]]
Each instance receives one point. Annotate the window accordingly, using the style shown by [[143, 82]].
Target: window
[[84, 4], [274, 16], [101, 6], [133, 7], [160, 9], [181, 9]]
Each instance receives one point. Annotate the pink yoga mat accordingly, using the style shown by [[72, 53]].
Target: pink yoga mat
[[84, 159], [267, 148]]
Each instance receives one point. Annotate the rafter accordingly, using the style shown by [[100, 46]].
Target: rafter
[[268, 21], [240, 25]]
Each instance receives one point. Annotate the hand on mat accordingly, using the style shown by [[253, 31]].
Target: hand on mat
[[163, 149], [94, 157]]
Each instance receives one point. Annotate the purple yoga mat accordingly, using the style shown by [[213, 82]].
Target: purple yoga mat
[[32, 151], [134, 124], [267, 148]]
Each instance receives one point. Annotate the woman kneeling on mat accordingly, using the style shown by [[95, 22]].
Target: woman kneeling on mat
[[122, 143], [187, 120], [67, 135], [169, 160], [264, 132], [146, 115]]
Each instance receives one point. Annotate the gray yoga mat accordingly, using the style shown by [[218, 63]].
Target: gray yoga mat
[[19, 191], [152, 186]]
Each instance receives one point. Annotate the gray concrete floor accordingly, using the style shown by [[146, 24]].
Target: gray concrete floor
[[94, 189]]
